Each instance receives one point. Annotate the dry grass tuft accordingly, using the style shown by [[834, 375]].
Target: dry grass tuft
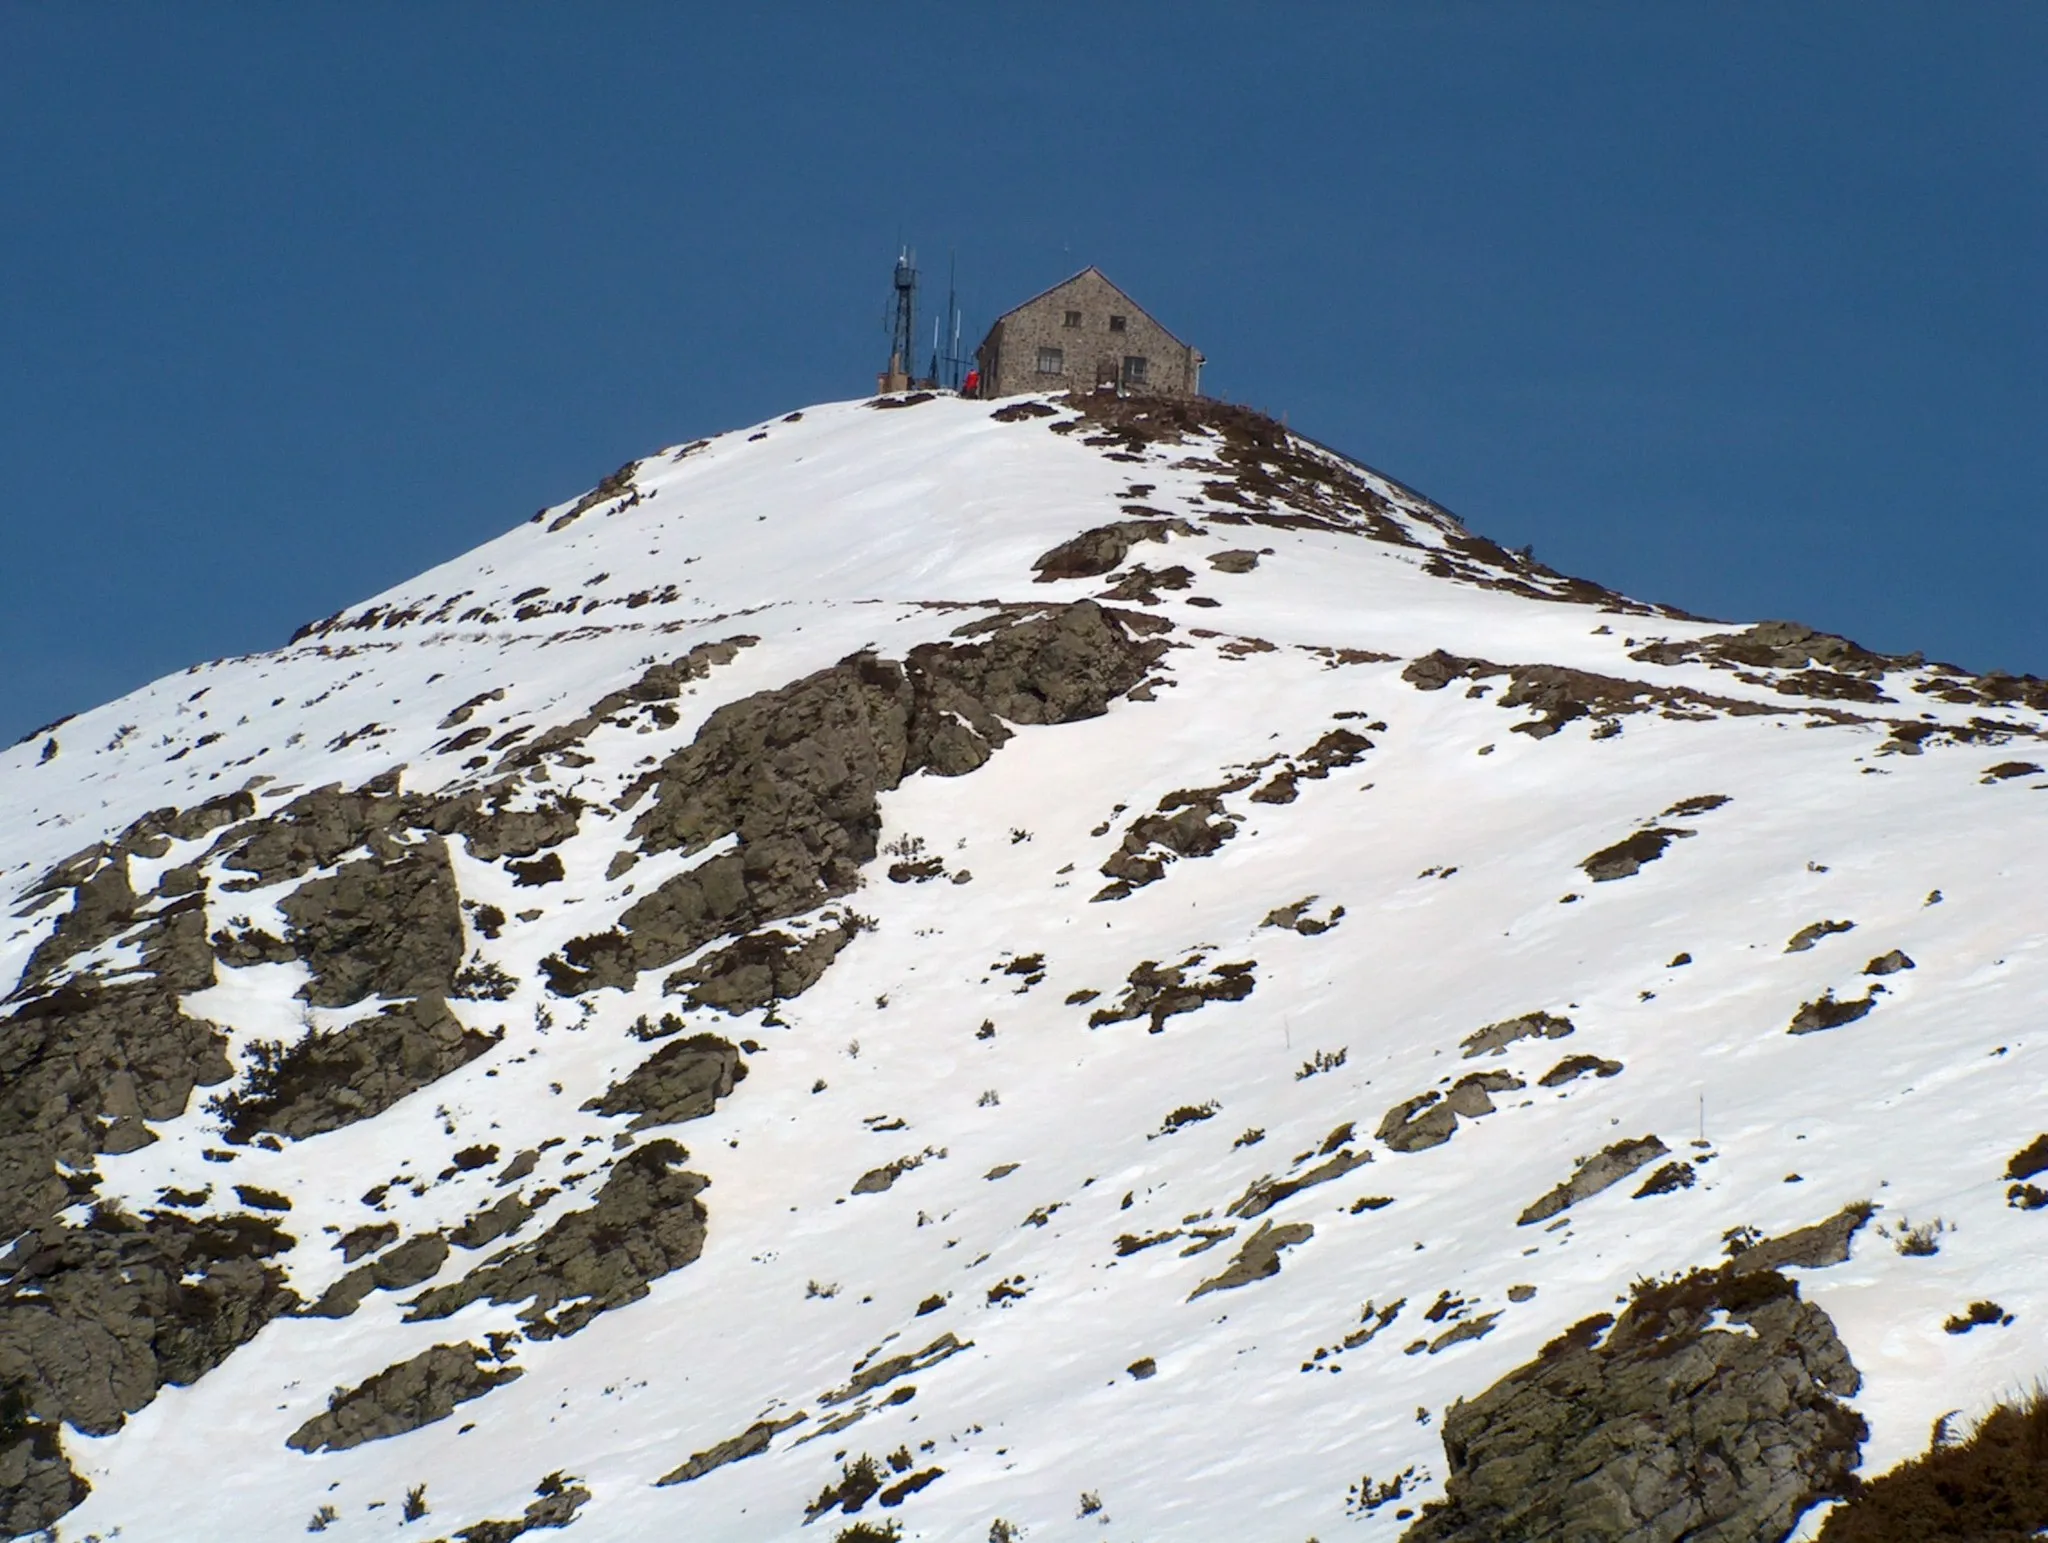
[[1990, 1488]]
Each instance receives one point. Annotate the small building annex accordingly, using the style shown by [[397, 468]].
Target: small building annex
[[1082, 335]]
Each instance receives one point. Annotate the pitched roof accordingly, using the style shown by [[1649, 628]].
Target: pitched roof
[[1063, 283]]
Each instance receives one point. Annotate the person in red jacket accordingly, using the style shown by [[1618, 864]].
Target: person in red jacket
[[972, 385]]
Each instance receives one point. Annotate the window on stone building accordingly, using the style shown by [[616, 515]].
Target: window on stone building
[[1116, 323], [1135, 366], [1073, 318], [1052, 361]]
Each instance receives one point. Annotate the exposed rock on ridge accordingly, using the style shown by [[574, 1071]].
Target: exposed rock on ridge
[[791, 776], [1661, 1426]]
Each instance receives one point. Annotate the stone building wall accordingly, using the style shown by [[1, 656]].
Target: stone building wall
[[1069, 338]]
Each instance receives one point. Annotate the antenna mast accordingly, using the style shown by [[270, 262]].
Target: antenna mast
[[952, 376]]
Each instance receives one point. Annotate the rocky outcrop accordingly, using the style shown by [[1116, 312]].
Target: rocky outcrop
[[1258, 1258], [402, 1398], [1827, 1012], [1096, 552], [1627, 857], [1817, 664], [1659, 1426], [1495, 1038], [319, 828], [1561, 695], [871, 1374], [560, 1499], [95, 1319], [1603, 1170], [751, 1442], [493, 1222], [415, 1260], [85, 1063], [1158, 992], [1265, 1193], [1430, 1119], [646, 1222], [760, 969], [791, 777], [683, 1080], [82, 1068], [1191, 822], [36, 1484], [389, 928], [327, 1080], [648, 697]]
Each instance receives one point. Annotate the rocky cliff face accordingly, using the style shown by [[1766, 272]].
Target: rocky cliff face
[[533, 1052]]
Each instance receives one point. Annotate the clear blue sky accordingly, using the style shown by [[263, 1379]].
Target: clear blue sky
[[1737, 306]]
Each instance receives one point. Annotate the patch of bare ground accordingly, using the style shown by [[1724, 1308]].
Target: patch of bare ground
[[643, 704], [1667, 1179], [618, 487], [1337, 748], [2029, 1160], [324, 1081], [1911, 738], [683, 1080], [95, 1319], [1267, 475], [1142, 585], [1371, 1322], [1019, 412]]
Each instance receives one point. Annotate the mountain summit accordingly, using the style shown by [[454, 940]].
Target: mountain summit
[[1067, 969]]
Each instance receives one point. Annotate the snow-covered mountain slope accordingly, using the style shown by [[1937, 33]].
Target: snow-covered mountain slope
[[1049, 971]]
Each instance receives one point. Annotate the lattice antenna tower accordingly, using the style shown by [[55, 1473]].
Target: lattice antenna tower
[[902, 321]]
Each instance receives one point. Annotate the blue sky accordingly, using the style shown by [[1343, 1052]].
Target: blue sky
[[1736, 306]]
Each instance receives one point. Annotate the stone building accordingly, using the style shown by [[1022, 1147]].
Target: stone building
[[1083, 335]]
